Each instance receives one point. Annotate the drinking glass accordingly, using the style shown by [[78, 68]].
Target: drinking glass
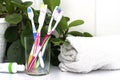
[[37, 67]]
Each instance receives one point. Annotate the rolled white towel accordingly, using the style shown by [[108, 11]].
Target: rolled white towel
[[67, 54], [92, 53]]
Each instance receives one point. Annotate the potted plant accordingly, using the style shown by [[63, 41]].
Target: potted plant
[[12, 13], [62, 31], [15, 51]]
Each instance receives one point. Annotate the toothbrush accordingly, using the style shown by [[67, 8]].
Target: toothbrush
[[57, 18], [30, 16], [56, 10], [57, 15], [41, 19]]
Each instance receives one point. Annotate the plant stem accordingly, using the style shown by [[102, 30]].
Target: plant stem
[[65, 34], [8, 6]]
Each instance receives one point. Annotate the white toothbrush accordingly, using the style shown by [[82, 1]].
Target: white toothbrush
[[41, 19], [43, 11], [57, 17], [31, 16]]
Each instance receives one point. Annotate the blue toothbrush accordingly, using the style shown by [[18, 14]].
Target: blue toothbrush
[[31, 16]]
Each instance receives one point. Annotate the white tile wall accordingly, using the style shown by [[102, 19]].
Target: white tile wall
[[102, 17], [107, 17]]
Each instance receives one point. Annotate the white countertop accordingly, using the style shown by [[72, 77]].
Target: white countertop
[[56, 74]]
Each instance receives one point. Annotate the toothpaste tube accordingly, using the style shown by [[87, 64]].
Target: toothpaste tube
[[11, 67]]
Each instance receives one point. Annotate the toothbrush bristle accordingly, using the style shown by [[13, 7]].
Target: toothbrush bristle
[[43, 6], [30, 13], [43, 11], [58, 10], [57, 13], [29, 9]]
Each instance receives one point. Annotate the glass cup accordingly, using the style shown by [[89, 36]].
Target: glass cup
[[41, 63]]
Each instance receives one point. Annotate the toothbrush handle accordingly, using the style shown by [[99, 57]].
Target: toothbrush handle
[[31, 64], [45, 38], [33, 59], [37, 42], [41, 60], [44, 47], [34, 29], [34, 35], [41, 54]]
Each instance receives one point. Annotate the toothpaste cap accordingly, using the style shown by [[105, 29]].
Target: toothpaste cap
[[14, 67], [20, 67]]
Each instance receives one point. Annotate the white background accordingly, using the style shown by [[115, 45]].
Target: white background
[[107, 17], [102, 17]]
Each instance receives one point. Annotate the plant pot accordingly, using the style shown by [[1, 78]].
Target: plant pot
[[3, 27]]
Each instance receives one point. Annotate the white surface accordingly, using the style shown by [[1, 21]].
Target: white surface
[[107, 17], [81, 9], [56, 74]]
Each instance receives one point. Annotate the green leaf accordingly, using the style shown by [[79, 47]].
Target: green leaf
[[62, 26], [67, 18], [86, 34], [16, 53], [75, 33], [27, 3], [27, 31], [9, 8], [1, 1], [14, 18], [55, 51], [11, 34], [20, 5], [63, 23], [52, 4], [17, 1], [47, 20], [76, 23], [57, 41]]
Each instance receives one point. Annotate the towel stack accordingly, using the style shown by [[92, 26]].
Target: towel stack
[[85, 54]]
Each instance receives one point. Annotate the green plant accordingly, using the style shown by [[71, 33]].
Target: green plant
[[62, 31], [14, 12], [13, 8], [57, 39]]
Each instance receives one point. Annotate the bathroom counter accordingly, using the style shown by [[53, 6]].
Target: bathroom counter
[[56, 74]]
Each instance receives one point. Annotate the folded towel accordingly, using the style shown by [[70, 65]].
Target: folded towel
[[85, 54], [68, 54]]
